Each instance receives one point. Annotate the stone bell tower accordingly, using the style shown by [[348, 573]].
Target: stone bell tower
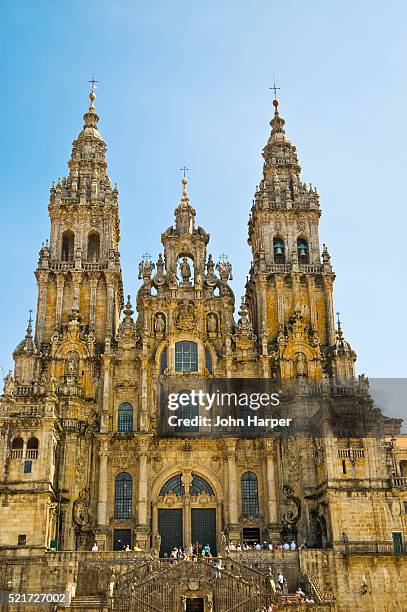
[[290, 289], [79, 268]]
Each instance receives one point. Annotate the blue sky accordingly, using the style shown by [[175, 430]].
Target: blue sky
[[187, 83]]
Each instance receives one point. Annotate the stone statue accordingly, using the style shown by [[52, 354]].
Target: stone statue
[[159, 324], [72, 364], [301, 365], [158, 541], [212, 323], [9, 384], [185, 270], [53, 386], [210, 266]]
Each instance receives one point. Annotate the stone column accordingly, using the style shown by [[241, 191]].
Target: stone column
[[311, 294], [234, 527], [110, 302], [102, 493], [272, 494], [142, 529], [143, 405], [186, 481], [280, 299], [93, 282], [329, 309], [60, 295], [104, 422], [76, 288], [42, 277], [296, 291]]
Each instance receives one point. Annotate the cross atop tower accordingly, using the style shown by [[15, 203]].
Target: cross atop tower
[[274, 88], [92, 84], [184, 170]]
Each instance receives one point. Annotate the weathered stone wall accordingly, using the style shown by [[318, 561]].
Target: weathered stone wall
[[369, 582]]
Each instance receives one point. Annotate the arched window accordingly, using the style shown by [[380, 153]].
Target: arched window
[[208, 361], [302, 249], [123, 496], [17, 448], [32, 448], [279, 250], [68, 241], [187, 411], [125, 417], [200, 485], [186, 356], [173, 485], [250, 495], [93, 246]]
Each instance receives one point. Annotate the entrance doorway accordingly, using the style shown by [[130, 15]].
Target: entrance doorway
[[195, 604], [204, 527], [170, 529], [121, 539]]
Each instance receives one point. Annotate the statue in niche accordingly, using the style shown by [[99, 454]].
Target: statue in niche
[[185, 270], [159, 324], [72, 364], [301, 365], [212, 323]]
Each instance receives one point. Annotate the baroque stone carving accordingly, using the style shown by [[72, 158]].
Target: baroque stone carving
[[81, 511], [185, 317]]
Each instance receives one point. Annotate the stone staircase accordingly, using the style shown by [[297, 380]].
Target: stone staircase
[[88, 603]]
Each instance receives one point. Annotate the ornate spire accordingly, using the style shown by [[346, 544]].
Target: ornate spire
[[91, 118], [277, 123], [281, 185], [184, 213], [27, 346], [88, 179]]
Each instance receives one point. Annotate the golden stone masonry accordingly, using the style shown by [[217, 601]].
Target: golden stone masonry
[[83, 464]]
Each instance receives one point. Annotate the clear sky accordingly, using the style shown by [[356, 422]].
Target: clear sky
[[186, 82]]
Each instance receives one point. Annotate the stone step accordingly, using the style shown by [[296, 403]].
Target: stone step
[[88, 603]]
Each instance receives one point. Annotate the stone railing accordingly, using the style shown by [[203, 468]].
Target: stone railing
[[16, 453], [81, 265], [372, 548], [351, 453], [96, 266], [399, 482], [28, 411], [31, 453], [26, 390], [285, 268], [320, 596], [61, 265]]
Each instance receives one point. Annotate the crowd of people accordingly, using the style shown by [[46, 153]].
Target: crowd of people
[[265, 546], [191, 552]]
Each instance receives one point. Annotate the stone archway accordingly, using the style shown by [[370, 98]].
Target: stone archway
[[186, 510]]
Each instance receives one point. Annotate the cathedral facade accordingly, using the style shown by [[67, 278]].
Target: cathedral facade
[[82, 458]]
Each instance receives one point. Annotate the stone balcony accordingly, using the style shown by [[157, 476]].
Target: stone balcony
[[399, 482]]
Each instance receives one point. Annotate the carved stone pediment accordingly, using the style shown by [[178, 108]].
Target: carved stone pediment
[[185, 316], [203, 498]]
